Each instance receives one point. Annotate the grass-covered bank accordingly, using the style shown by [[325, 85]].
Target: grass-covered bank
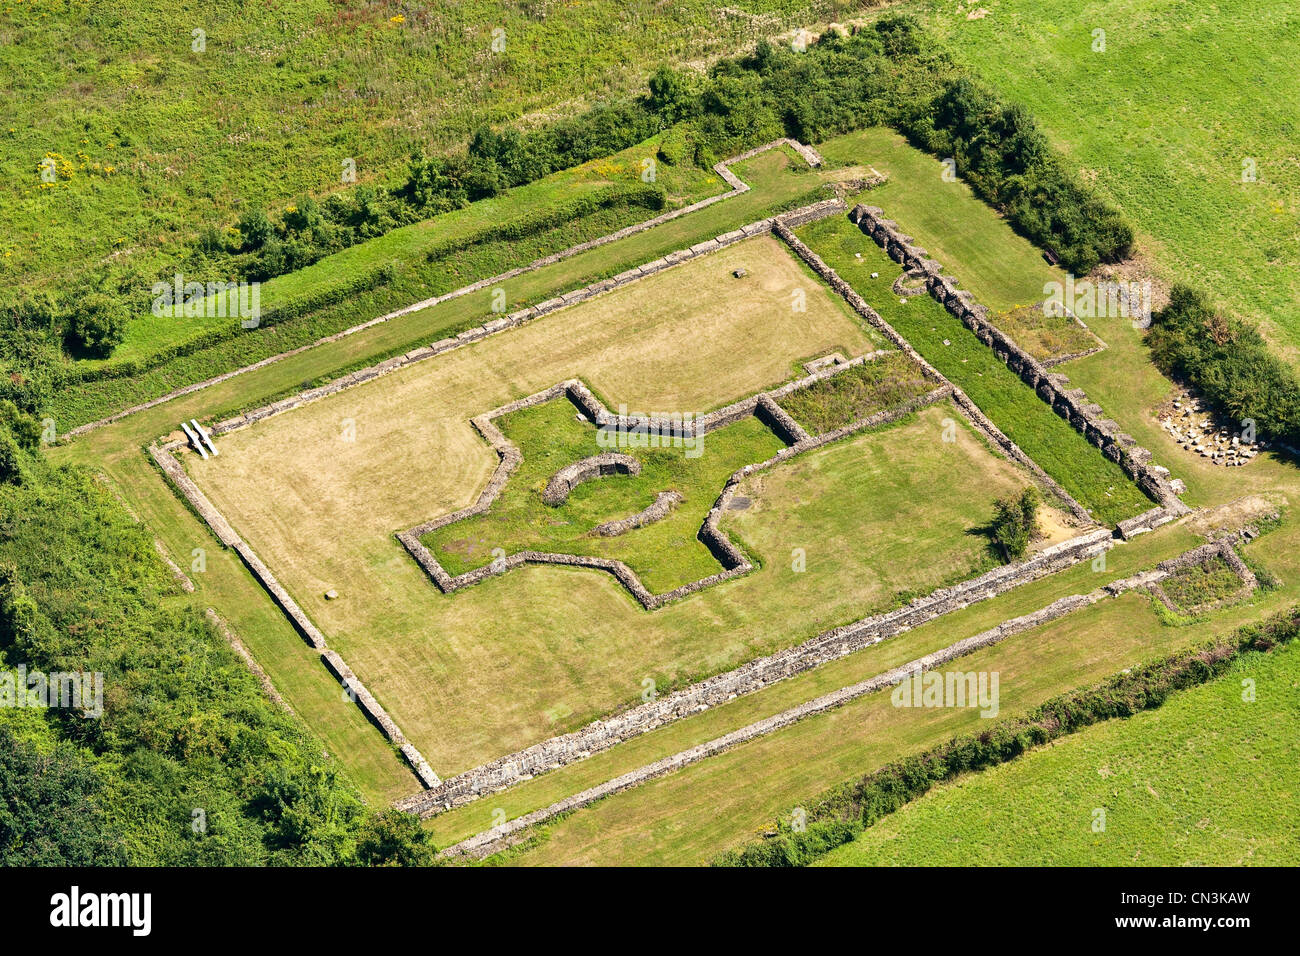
[[1095, 482]]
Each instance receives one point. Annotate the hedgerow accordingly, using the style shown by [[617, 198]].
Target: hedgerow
[[844, 812]]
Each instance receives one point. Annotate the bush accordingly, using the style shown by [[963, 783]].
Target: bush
[[1015, 523], [1228, 362], [256, 229], [671, 95], [97, 325]]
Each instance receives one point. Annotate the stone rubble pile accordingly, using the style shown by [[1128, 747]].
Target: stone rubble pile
[[1191, 423]]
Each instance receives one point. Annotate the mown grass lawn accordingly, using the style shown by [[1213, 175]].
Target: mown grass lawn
[[665, 554]]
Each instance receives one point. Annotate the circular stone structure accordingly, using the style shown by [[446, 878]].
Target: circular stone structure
[[597, 466]]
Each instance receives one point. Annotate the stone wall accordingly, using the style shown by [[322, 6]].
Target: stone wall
[[664, 502], [600, 735], [818, 210], [733, 560], [1070, 404], [569, 477], [498, 838], [978, 419], [738, 187], [165, 458]]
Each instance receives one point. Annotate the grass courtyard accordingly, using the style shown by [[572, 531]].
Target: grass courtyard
[[323, 514]]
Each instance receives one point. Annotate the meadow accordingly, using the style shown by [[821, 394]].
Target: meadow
[[1185, 121], [1209, 779], [191, 115]]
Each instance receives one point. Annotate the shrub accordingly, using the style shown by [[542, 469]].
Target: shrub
[[1015, 523], [1228, 362], [256, 229], [97, 325], [671, 95]]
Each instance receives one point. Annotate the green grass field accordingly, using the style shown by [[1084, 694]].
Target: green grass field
[[429, 257], [1209, 779], [1184, 100], [269, 102], [905, 563]]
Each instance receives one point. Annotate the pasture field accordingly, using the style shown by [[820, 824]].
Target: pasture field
[[1206, 780], [322, 512], [266, 105], [1170, 122]]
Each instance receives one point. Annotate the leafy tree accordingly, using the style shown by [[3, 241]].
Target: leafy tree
[[51, 810], [394, 838], [671, 95], [256, 229]]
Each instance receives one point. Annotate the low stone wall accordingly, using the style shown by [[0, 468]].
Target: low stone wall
[[569, 477], [501, 837], [978, 419], [733, 560], [1051, 387], [818, 210], [164, 456], [664, 502], [505, 772], [738, 187]]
